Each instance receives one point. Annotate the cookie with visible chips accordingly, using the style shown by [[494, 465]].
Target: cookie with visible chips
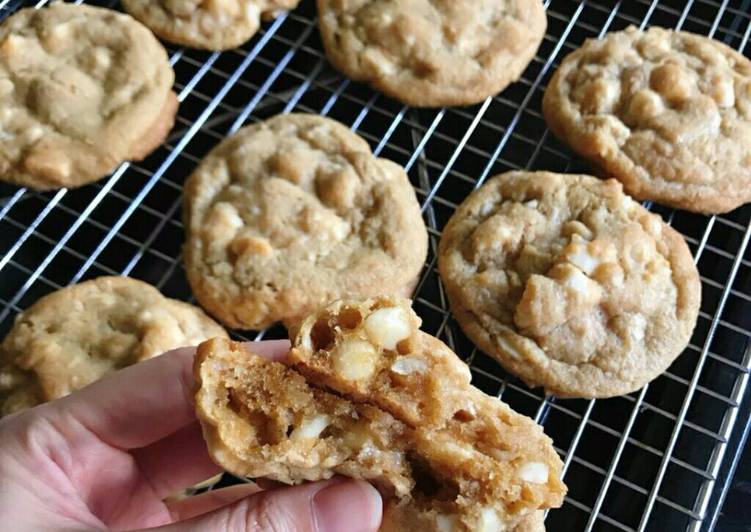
[[469, 463], [289, 214], [433, 53], [667, 113], [206, 24], [76, 335], [82, 89], [570, 284]]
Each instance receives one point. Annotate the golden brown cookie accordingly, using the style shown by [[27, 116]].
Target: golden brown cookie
[[375, 348], [78, 334], [82, 89], [262, 418], [569, 283], [667, 113], [289, 214], [206, 24], [431, 53]]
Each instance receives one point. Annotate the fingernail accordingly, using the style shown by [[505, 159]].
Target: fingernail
[[350, 506]]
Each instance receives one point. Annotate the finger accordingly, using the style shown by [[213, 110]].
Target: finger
[[330, 506], [176, 462], [137, 405], [268, 484], [271, 349], [145, 402], [211, 500]]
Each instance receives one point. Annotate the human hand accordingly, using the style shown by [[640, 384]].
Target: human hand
[[107, 456]]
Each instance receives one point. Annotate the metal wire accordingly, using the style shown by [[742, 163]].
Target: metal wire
[[650, 460]]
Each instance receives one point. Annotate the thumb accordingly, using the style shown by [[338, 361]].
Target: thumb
[[330, 506]]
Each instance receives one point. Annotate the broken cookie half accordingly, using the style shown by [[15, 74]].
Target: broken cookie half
[[370, 396]]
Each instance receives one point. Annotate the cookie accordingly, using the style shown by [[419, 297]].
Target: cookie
[[433, 53], [372, 351], [263, 418], [375, 346], [78, 334], [82, 89], [667, 113], [289, 214], [206, 24], [569, 283]]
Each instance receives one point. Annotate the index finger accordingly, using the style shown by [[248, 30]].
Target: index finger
[[146, 402]]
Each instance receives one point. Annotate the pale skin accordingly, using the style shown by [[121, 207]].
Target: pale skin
[[106, 457]]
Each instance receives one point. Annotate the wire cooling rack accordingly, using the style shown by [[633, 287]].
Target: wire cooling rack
[[657, 459]]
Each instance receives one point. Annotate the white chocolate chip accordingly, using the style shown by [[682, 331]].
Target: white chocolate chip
[[534, 472], [251, 245], [581, 284], [307, 343], [446, 523], [310, 428], [653, 225], [645, 104], [409, 365], [601, 96], [355, 359], [638, 328], [388, 326], [654, 45], [102, 58], [583, 260], [458, 450], [33, 134], [222, 224], [504, 456], [368, 452], [577, 230], [490, 521], [376, 60], [252, 12], [723, 92], [61, 31]]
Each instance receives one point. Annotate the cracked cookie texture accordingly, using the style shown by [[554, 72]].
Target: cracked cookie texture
[[471, 463], [82, 89], [289, 214], [78, 334], [206, 24], [570, 284], [667, 113], [433, 53]]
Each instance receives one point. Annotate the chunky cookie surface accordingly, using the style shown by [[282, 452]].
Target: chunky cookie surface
[[569, 283], [206, 24], [76, 335], [375, 349], [82, 89], [289, 214], [667, 113], [433, 53], [263, 418]]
